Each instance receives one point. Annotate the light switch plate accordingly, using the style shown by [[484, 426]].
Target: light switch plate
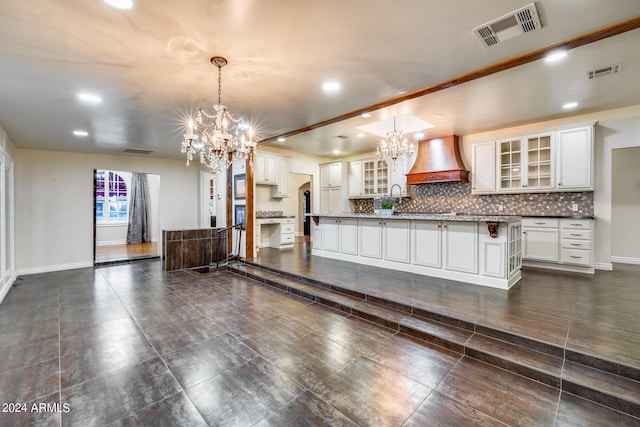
[[574, 207]]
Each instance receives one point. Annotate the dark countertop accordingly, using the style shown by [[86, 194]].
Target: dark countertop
[[276, 216]]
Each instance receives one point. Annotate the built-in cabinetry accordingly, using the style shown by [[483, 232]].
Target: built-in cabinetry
[[265, 166], [558, 243], [331, 184], [272, 170], [276, 233], [370, 177], [552, 160], [459, 250]]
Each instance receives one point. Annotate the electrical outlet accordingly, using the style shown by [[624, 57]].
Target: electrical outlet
[[500, 208], [574, 207]]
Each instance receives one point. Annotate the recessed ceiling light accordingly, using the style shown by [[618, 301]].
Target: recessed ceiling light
[[120, 4], [360, 135], [331, 86], [282, 139], [418, 135], [81, 133], [555, 56], [336, 151], [89, 98], [570, 105], [365, 115]]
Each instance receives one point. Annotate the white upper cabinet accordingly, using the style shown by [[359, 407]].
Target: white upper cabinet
[[525, 164], [331, 175], [483, 174], [265, 169], [553, 160], [281, 190], [356, 188], [574, 168]]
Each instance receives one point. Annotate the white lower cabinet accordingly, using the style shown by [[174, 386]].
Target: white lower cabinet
[[397, 240], [563, 244], [317, 235], [330, 234], [426, 237], [452, 249], [348, 236], [370, 238], [460, 246], [540, 239]]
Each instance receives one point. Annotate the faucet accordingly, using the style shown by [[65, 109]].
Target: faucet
[[399, 188]]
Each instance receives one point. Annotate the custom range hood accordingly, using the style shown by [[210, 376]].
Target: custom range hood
[[438, 160]]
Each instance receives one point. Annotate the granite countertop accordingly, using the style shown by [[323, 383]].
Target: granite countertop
[[427, 216], [275, 216]]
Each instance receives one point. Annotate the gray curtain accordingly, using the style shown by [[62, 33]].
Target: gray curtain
[[138, 231]]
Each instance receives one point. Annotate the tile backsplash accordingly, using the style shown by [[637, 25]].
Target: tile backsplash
[[457, 197]]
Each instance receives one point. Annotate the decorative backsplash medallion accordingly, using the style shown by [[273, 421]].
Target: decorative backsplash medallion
[[269, 213], [457, 197]]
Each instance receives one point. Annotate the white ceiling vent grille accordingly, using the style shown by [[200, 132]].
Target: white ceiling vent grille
[[513, 24], [604, 71], [136, 150]]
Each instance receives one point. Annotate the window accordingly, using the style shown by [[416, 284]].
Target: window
[[112, 205]]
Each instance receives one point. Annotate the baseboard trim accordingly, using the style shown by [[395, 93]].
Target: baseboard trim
[[50, 268], [625, 260], [605, 266]]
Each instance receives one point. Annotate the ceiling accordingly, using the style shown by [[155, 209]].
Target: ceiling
[[151, 67]]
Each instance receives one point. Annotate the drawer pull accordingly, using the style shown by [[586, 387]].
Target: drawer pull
[[539, 223], [575, 244], [575, 257], [576, 225], [575, 235]]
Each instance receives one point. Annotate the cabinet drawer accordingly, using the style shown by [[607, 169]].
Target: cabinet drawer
[[288, 220], [540, 222], [576, 256], [576, 244], [576, 234], [287, 228], [287, 238], [577, 224], [269, 221]]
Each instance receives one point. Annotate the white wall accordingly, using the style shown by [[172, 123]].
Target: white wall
[[54, 203], [625, 199], [619, 128]]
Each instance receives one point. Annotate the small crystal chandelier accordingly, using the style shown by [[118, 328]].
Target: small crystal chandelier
[[218, 136], [394, 148]]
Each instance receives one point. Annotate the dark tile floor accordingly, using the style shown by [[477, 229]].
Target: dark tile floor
[[131, 345], [598, 314]]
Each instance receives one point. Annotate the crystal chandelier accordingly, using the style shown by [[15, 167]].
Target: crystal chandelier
[[218, 136], [394, 148]]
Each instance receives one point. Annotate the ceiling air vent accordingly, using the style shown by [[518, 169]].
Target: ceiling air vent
[[136, 150], [604, 71], [513, 24]]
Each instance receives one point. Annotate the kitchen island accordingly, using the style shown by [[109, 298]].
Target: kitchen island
[[482, 250]]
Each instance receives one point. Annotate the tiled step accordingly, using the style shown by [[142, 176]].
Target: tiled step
[[536, 360]]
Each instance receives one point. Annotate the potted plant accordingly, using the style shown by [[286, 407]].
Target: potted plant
[[386, 205]]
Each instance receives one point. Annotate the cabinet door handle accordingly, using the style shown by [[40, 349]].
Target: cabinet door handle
[[559, 183]]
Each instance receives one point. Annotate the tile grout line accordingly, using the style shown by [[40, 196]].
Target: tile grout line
[[59, 356]]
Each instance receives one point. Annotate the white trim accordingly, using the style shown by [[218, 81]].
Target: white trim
[[625, 260], [59, 267], [7, 286], [558, 266], [605, 266]]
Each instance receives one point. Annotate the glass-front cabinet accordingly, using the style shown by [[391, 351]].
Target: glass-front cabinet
[[526, 163], [375, 177]]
